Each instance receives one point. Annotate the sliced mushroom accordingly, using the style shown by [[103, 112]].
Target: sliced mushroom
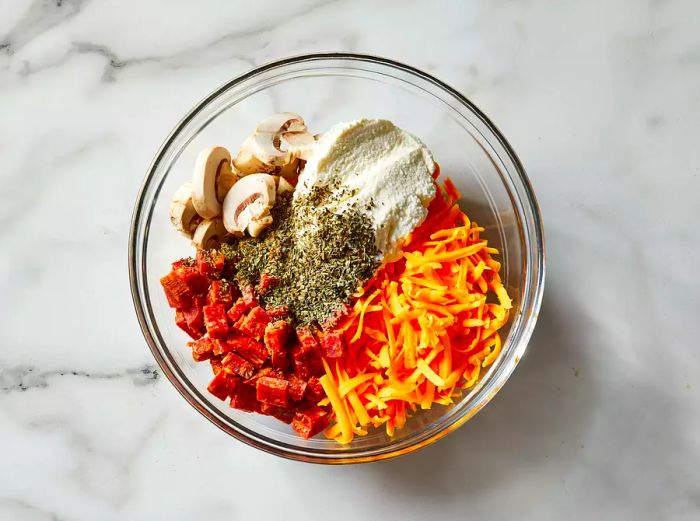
[[299, 144], [256, 227], [209, 234], [246, 163], [247, 205], [213, 177], [182, 212], [281, 138]]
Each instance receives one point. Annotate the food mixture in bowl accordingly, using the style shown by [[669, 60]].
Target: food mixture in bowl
[[336, 284]]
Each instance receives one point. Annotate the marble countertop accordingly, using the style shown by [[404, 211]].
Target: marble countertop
[[600, 421]]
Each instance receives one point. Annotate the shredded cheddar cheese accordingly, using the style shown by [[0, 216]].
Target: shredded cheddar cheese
[[422, 329]]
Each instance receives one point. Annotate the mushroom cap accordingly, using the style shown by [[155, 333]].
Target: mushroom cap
[[250, 199], [211, 162], [209, 234], [183, 215]]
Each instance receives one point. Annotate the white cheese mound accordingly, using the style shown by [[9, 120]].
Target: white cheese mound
[[387, 171]]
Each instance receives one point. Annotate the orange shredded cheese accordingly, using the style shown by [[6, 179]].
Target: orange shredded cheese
[[421, 331]]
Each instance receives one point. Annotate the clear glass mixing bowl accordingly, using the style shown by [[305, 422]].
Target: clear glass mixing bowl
[[326, 89]]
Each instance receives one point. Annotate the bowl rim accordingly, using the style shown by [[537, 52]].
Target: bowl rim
[[537, 278]]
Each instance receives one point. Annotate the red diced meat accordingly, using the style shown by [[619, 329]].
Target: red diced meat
[[273, 391], [234, 364], [210, 262], [197, 282], [307, 340], [315, 365], [181, 322], [332, 343], [276, 335], [314, 390], [220, 292], [249, 349], [177, 291], [222, 385], [202, 349], [254, 323], [194, 315], [309, 422], [237, 310], [279, 359], [278, 312], [301, 367], [215, 320], [297, 387], [248, 296], [265, 371], [216, 366], [267, 281], [243, 398], [280, 413], [221, 346], [275, 338]]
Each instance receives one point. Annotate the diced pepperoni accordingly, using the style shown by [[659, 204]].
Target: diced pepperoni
[[197, 282], [254, 323], [216, 366], [251, 350], [220, 292], [273, 391], [177, 291], [181, 322], [307, 340], [309, 422], [266, 371], [267, 281], [314, 390], [332, 343], [275, 338], [248, 296], [222, 385], [202, 349], [210, 262], [243, 398], [280, 413], [237, 310], [297, 388], [194, 315], [301, 367], [234, 364], [278, 312], [215, 320]]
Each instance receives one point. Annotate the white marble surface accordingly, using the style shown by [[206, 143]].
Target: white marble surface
[[600, 421]]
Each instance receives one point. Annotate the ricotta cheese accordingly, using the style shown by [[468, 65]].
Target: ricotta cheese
[[378, 169]]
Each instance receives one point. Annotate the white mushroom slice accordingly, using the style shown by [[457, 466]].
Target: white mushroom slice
[[212, 178], [209, 234], [249, 201], [182, 212], [284, 186], [269, 143], [246, 163], [257, 226], [299, 144]]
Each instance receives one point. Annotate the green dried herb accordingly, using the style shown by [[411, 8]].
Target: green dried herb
[[319, 256]]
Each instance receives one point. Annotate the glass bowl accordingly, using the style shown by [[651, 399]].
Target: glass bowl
[[326, 89]]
